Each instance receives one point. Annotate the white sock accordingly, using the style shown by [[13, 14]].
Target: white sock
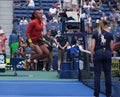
[[29, 60], [35, 61]]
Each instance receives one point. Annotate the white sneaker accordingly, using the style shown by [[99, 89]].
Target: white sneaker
[[51, 69], [58, 70], [28, 60], [43, 69]]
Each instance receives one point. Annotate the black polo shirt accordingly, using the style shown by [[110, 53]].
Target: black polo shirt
[[108, 37]]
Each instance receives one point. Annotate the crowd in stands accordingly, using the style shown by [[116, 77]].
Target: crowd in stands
[[27, 3], [91, 11]]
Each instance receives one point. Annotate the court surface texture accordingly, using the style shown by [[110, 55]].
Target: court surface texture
[[41, 84]]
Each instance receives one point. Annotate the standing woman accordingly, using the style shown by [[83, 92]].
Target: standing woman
[[34, 37], [13, 42], [101, 53], [3, 39]]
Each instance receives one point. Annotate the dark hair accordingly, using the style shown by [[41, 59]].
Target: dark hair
[[33, 16], [48, 30], [14, 30]]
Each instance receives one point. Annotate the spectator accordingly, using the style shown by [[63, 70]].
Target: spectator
[[103, 17], [109, 4], [20, 51], [23, 26], [53, 10], [74, 5], [49, 42], [115, 2], [118, 12], [94, 7], [62, 43], [113, 18], [44, 22], [30, 3], [91, 2], [70, 31], [58, 7], [83, 14], [99, 3], [89, 22], [49, 17], [16, 3], [66, 4], [86, 6], [55, 19], [3, 39], [13, 42], [53, 31], [118, 8], [15, 22], [23, 21]]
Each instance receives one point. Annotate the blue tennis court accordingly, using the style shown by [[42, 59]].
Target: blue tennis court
[[44, 88]]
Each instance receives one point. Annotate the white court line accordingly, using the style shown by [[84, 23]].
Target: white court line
[[39, 96], [40, 83]]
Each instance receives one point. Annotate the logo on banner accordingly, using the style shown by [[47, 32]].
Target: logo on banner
[[2, 59], [20, 65]]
